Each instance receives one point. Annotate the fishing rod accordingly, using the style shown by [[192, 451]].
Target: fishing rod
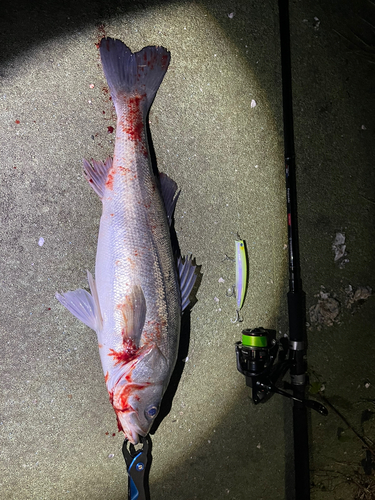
[[258, 349]]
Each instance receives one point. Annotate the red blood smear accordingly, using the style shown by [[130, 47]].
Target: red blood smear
[[109, 182], [122, 398], [125, 170], [133, 126], [110, 393], [127, 354], [17, 121], [101, 33], [119, 426], [110, 129]]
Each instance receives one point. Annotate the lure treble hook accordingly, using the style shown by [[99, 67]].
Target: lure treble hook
[[238, 318]]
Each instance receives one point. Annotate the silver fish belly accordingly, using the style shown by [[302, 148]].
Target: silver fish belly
[[135, 303]]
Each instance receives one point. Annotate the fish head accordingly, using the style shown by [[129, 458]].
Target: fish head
[[138, 393], [143, 404]]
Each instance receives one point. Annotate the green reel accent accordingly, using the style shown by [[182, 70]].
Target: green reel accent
[[254, 340]]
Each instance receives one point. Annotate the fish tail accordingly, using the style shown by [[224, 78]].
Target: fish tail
[[139, 74]]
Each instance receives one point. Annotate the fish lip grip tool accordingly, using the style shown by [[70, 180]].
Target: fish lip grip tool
[[138, 462]]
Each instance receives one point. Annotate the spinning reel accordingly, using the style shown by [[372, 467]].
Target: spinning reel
[[256, 354]]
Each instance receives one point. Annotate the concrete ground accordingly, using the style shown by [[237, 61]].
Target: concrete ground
[[216, 125]]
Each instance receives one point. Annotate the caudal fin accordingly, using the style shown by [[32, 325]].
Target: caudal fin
[[135, 74]]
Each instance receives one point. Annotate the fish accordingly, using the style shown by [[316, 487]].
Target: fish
[[140, 289]]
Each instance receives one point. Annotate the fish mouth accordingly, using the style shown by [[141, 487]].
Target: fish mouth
[[130, 426]]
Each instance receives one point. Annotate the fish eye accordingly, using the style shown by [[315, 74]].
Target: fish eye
[[151, 412]]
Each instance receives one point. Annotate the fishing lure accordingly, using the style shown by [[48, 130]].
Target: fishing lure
[[241, 276]]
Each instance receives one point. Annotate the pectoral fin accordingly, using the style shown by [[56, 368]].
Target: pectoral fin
[[133, 309]]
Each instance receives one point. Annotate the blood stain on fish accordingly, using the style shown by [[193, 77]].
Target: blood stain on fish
[[109, 182], [127, 354], [133, 126], [131, 262], [120, 398]]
